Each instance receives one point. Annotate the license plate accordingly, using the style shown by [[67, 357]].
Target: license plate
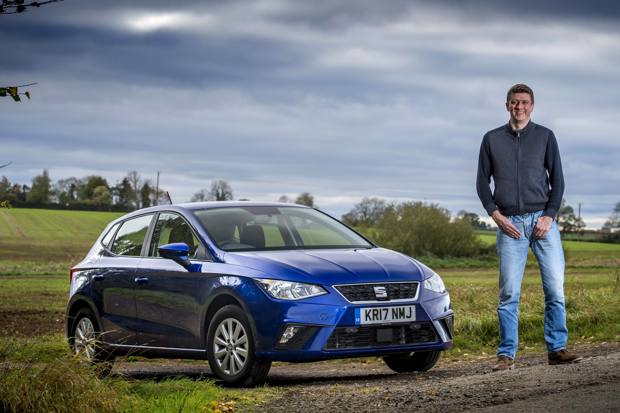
[[384, 315]]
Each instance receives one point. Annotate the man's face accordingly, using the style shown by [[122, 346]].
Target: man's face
[[520, 107]]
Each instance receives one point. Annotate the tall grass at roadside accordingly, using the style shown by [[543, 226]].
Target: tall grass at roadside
[[39, 375], [29, 383]]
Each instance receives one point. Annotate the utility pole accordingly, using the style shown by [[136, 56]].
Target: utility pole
[[157, 190]]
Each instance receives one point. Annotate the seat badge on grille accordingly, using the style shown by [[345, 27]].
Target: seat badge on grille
[[380, 292]]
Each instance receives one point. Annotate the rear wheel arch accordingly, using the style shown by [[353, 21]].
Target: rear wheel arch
[[74, 307]]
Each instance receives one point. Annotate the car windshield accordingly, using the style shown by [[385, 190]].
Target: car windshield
[[263, 228]]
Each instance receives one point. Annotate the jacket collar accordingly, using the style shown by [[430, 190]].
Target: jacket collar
[[530, 125]]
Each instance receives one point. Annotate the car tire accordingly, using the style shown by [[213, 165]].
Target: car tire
[[231, 349], [418, 361], [86, 345]]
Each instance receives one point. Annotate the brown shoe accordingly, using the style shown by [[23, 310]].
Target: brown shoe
[[504, 363], [563, 357]]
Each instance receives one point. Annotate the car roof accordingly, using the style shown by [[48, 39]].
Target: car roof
[[192, 206], [233, 204]]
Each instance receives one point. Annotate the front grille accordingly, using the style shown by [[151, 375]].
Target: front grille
[[381, 336], [366, 292]]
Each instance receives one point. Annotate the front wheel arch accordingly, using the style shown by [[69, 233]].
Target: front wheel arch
[[223, 299]]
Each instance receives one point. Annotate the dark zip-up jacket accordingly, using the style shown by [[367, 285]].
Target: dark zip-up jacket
[[526, 170]]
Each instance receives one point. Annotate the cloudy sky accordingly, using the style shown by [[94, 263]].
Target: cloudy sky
[[342, 99]]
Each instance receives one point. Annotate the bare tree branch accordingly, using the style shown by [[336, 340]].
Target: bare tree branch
[[18, 6]]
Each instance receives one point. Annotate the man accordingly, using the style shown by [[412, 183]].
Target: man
[[524, 161]]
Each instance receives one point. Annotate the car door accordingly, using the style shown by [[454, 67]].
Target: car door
[[170, 300], [114, 281]]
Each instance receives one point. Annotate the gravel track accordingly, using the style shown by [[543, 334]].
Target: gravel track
[[453, 386]]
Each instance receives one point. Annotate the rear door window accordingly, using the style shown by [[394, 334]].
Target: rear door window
[[130, 236]]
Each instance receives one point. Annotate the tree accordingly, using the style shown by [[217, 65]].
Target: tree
[[101, 196], [367, 213], [613, 223], [5, 186], [86, 188], [200, 196], [305, 198], [221, 191], [65, 191], [419, 229], [612, 226], [472, 219], [285, 198], [134, 181], [41, 189], [145, 194], [567, 220], [123, 192]]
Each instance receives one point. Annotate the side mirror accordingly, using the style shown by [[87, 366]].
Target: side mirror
[[177, 252]]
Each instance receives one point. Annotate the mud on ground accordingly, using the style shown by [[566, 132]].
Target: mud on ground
[[31, 323]]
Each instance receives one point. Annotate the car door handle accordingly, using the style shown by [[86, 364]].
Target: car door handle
[[141, 280], [98, 277]]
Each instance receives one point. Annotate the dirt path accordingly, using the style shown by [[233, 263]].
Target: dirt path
[[369, 386]]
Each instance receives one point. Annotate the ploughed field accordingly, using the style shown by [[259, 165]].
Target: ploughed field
[[37, 247]]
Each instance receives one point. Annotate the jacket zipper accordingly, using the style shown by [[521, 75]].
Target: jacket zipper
[[518, 177]]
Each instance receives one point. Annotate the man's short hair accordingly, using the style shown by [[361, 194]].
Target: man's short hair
[[520, 88]]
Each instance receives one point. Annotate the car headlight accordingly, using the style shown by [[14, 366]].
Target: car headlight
[[288, 290], [435, 283]]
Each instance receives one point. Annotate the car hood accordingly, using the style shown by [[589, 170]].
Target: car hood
[[331, 266]]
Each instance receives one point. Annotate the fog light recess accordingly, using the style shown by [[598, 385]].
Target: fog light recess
[[289, 333]]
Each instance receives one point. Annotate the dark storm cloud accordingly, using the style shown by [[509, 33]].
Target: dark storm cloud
[[178, 59], [334, 15], [344, 99], [577, 9]]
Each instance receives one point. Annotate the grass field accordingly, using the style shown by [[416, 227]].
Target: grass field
[[38, 246], [40, 241]]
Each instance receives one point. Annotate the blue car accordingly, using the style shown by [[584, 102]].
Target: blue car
[[243, 284]]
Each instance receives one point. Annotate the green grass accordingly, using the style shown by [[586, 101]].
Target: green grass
[[43, 377], [49, 293], [39, 241], [592, 304]]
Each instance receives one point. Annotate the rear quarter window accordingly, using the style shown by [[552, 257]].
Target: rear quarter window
[[130, 237], [109, 235]]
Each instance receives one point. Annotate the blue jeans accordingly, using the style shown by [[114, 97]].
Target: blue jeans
[[512, 258]]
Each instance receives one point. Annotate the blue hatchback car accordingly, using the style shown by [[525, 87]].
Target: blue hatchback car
[[243, 284]]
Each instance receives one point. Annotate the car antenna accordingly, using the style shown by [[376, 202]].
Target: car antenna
[[169, 199]]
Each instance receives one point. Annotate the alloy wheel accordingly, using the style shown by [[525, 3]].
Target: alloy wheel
[[230, 346], [85, 339]]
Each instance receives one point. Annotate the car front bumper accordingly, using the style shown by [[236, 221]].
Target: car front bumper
[[328, 331]]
